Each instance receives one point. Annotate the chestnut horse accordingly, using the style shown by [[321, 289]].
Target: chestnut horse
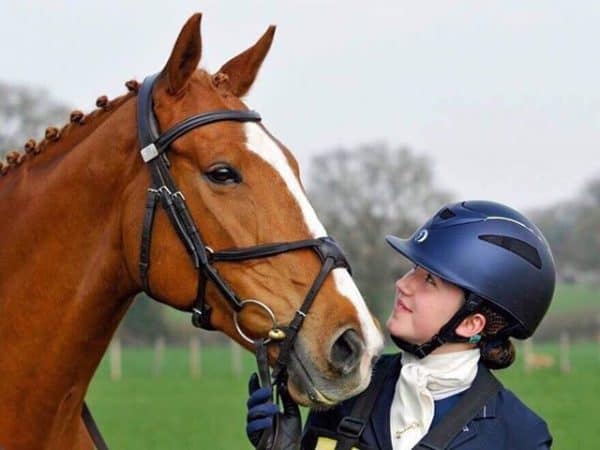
[[72, 210]]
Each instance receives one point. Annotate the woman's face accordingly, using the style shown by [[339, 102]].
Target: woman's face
[[423, 304]]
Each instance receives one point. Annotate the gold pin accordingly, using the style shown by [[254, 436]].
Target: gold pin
[[277, 334], [400, 432]]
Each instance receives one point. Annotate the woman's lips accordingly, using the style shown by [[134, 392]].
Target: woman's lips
[[401, 306]]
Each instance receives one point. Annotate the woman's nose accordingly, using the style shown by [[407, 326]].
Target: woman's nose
[[404, 284]]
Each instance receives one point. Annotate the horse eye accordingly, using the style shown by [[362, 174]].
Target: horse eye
[[223, 175]]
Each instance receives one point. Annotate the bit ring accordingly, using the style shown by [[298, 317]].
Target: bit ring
[[274, 334]]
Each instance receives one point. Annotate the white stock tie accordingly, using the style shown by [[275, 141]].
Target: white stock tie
[[421, 382]]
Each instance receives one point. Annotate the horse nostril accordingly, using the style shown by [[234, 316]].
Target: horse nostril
[[346, 352]]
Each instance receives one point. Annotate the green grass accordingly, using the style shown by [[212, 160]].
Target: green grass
[[568, 402], [172, 411], [568, 298]]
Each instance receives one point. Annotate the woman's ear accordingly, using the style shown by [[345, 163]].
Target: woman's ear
[[471, 325]]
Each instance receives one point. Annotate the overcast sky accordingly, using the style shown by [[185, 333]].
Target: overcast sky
[[502, 95]]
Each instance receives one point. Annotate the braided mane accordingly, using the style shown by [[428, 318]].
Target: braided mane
[[79, 126]]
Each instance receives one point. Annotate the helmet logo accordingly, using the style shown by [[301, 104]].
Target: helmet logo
[[422, 236]]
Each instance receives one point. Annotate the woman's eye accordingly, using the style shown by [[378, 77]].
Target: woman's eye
[[429, 279], [223, 175]]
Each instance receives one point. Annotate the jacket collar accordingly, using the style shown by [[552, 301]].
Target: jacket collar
[[380, 420]]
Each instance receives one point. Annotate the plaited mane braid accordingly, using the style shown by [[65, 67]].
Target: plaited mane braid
[[219, 78], [54, 134], [132, 86], [14, 158], [77, 117], [102, 102], [31, 147]]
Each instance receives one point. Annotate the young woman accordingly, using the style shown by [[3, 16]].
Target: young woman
[[483, 273]]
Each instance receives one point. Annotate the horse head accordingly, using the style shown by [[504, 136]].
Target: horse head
[[242, 190]]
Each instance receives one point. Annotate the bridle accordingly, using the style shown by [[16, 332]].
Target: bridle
[[154, 147], [164, 190]]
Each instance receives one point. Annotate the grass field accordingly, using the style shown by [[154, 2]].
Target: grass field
[[569, 298], [172, 411]]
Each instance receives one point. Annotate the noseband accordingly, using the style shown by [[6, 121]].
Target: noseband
[[164, 190]]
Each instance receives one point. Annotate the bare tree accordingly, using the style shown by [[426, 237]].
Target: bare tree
[[25, 112], [365, 193], [573, 231], [591, 192]]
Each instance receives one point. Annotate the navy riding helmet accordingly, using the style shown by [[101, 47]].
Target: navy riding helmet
[[495, 254]]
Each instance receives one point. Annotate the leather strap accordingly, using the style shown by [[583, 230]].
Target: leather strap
[[147, 125], [332, 257], [151, 201], [148, 129], [200, 120], [351, 427], [92, 428], [262, 251], [262, 362], [292, 329]]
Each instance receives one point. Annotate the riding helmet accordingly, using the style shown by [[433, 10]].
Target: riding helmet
[[491, 251]]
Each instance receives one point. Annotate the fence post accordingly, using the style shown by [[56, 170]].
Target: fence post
[[528, 354], [565, 362], [194, 357], [159, 355], [115, 359], [236, 358]]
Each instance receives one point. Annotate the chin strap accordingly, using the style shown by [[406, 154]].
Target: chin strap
[[446, 334]]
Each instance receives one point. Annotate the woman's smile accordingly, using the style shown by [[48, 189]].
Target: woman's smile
[[400, 306]]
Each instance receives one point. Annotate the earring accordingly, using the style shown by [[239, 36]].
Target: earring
[[475, 339]]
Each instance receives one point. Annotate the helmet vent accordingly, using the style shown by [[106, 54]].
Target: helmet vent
[[446, 214], [517, 246]]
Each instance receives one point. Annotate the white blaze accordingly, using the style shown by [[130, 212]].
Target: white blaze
[[259, 142]]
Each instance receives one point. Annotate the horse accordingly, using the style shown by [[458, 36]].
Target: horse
[[236, 243]]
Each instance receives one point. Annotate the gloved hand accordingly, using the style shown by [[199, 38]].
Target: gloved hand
[[261, 411], [268, 428]]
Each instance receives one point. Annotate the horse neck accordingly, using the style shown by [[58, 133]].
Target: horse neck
[[64, 285]]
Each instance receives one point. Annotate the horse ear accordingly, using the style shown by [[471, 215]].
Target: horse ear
[[241, 70], [185, 55]]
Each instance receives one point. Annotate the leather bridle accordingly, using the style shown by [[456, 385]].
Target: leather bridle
[[163, 188], [154, 147]]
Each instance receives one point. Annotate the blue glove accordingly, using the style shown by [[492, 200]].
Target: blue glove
[[268, 428], [261, 410]]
